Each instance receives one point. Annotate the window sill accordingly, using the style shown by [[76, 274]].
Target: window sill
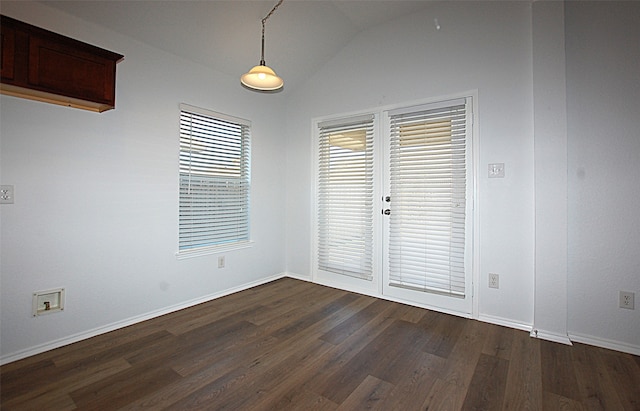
[[216, 249]]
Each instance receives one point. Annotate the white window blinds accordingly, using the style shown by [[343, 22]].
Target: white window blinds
[[345, 197], [214, 179], [428, 151]]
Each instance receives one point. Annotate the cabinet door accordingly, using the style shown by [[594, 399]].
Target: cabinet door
[[7, 61], [60, 69]]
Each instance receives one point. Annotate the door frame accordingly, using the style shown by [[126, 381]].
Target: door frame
[[374, 287]]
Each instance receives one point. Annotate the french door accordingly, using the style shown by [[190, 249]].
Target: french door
[[427, 224], [394, 203]]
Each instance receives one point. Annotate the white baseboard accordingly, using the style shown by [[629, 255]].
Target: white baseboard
[[38, 349], [297, 276], [604, 343], [505, 322], [550, 336], [542, 334]]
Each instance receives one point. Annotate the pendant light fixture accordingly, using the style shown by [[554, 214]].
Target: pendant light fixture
[[262, 77]]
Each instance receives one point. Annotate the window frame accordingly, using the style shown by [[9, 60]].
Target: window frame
[[244, 168]]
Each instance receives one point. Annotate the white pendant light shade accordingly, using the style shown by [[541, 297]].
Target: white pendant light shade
[[262, 77]]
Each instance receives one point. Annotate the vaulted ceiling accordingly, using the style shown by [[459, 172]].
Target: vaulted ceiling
[[301, 35]]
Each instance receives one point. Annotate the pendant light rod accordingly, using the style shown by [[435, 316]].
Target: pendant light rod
[[264, 20], [262, 77]]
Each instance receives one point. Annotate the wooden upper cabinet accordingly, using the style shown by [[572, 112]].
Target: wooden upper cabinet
[[41, 65]]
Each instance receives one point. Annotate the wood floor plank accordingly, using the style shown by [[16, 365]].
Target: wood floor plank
[[343, 330], [158, 350], [53, 393], [552, 401], [524, 382], [242, 343], [444, 396], [367, 395], [212, 319], [122, 388], [498, 341], [461, 363], [410, 392], [340, 355], [276, 382], [303, 299], [203, 396], [314, 316], [120, 339], [444, 335], [56, 401], [376, 358], [303, 399], [399, 353], [596, 388], [263, 375], [295, 345], [17, 381], [487, 387], [214, 379], [624, 374], [558, 374], [110, 352], [412, 314]]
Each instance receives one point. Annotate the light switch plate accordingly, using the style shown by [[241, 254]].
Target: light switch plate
[[496, 170], [6, 194]]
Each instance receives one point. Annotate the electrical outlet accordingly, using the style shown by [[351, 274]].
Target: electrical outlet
[[494, 280], [6, 194], [627, 300], [221, 261]]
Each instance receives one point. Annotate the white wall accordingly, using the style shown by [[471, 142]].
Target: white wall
[[564, 245], [603, 113], [96, 203], [483, 46]]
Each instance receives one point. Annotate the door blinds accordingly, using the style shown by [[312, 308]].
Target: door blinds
[[345, 197], [428, 193], [214, 179]]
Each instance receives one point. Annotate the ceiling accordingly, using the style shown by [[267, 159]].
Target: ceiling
[[300, 36]]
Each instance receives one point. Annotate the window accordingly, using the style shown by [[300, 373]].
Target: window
[[214, 181], [345, 197]]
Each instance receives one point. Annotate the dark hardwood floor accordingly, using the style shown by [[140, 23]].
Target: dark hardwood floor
[[292, 345]]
